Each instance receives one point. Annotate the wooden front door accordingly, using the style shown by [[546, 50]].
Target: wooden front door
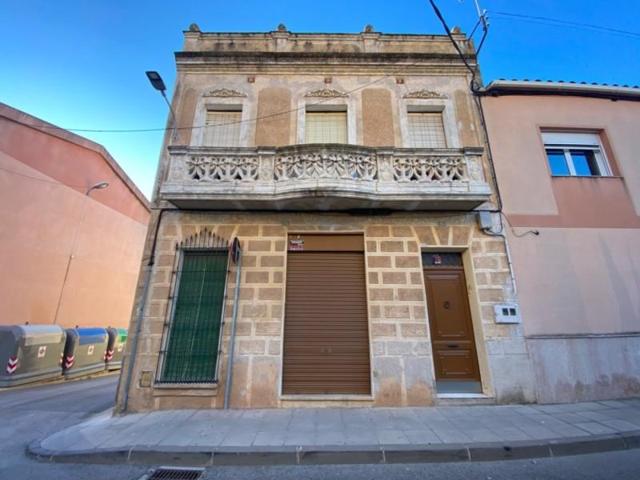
[[453, 343]]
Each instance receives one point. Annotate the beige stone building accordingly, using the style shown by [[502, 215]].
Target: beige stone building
[[351, 168]]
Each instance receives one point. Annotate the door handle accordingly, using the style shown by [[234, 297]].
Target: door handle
[[453, 346]]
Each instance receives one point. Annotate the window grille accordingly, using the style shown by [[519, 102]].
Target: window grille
[[426, 130], [192, 344], [441, 259], [223, 128], [326, 127]]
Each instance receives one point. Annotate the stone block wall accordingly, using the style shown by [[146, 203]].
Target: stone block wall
[[401, 357]]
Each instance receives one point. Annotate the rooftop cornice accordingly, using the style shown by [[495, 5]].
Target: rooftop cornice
[[324, 35], [325, 57]]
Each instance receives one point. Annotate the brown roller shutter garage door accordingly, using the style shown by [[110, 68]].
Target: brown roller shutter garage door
[[326, 336]]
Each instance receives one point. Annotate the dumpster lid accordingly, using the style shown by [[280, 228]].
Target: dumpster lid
[[40, 334], [91, 335]]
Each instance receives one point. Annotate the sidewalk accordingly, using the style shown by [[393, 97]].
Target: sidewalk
[[341, 435]]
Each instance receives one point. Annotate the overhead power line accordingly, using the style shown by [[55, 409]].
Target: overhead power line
[[399, 70], [560, 22], [44, 180]]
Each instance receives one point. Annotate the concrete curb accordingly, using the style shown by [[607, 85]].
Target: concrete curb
[[366, 454]]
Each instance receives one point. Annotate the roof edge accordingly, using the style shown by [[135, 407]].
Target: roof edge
[[527, 87], [31, 121]]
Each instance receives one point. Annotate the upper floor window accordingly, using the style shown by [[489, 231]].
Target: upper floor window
[[223, 127], [426, 129], [575, 154], [325, 126]]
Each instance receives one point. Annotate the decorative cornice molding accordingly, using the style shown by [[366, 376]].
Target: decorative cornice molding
[[424, 93], [326, 93], [224, 92]]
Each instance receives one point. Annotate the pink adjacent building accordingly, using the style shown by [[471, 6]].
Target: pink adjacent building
[[567, 161], [72, 228]]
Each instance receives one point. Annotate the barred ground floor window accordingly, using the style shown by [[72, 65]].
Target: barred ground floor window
[[193, 338]]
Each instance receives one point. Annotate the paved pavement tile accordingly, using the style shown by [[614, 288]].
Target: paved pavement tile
[[352, 426]]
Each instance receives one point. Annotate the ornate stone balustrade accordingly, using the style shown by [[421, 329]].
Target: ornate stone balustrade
[[325, 177]]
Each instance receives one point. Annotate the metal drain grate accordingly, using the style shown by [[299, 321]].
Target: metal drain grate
[[172, 473]]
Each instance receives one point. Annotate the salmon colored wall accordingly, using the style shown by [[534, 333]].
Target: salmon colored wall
[[578, 280], [39, 217], [514, 124], [581, 275], [69, 163]]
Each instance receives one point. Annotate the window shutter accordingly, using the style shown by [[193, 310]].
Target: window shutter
[[223, 128], [192, 346], [426, 130], [326, 127]]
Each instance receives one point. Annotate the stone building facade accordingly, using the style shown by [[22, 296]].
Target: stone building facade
[[366, 148]]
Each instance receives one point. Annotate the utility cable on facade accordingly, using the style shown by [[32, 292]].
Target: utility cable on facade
[[248, 120]]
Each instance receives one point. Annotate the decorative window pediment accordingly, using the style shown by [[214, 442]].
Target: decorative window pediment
[[326, 93], [424, 94], [224, 92]]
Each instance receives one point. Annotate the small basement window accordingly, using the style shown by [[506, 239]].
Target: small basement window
[[575, 154]]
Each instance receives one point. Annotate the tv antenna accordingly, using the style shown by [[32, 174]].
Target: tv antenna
[[483, 19]]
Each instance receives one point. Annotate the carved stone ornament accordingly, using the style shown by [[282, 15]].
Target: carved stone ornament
[[326, 93], [331, 165], [224, 92], [424, 93]]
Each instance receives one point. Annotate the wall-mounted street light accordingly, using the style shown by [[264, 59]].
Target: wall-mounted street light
[[96, 186], [156, 82], [129, 360]]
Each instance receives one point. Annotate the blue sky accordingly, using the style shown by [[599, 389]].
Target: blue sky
[[81, 63]]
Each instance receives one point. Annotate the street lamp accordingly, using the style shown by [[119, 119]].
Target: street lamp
[[96, 186], [157, 83]]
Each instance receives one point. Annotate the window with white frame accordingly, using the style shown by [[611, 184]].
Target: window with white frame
[[222, 127], [325, 126], [426, 129], [575, 154]]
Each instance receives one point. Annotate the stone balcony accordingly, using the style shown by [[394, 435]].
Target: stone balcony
[[325, 177]]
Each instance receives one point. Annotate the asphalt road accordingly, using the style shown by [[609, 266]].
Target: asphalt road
[[34, 412]]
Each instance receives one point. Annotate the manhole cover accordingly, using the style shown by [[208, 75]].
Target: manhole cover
[[173, 473]]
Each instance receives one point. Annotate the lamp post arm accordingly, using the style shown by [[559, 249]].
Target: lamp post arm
[[174, 130]]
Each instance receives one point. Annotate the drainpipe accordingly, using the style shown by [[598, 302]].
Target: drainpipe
[[148, 268], [232, 343]]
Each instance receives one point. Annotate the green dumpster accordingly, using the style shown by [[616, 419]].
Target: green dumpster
[[115, 348]]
